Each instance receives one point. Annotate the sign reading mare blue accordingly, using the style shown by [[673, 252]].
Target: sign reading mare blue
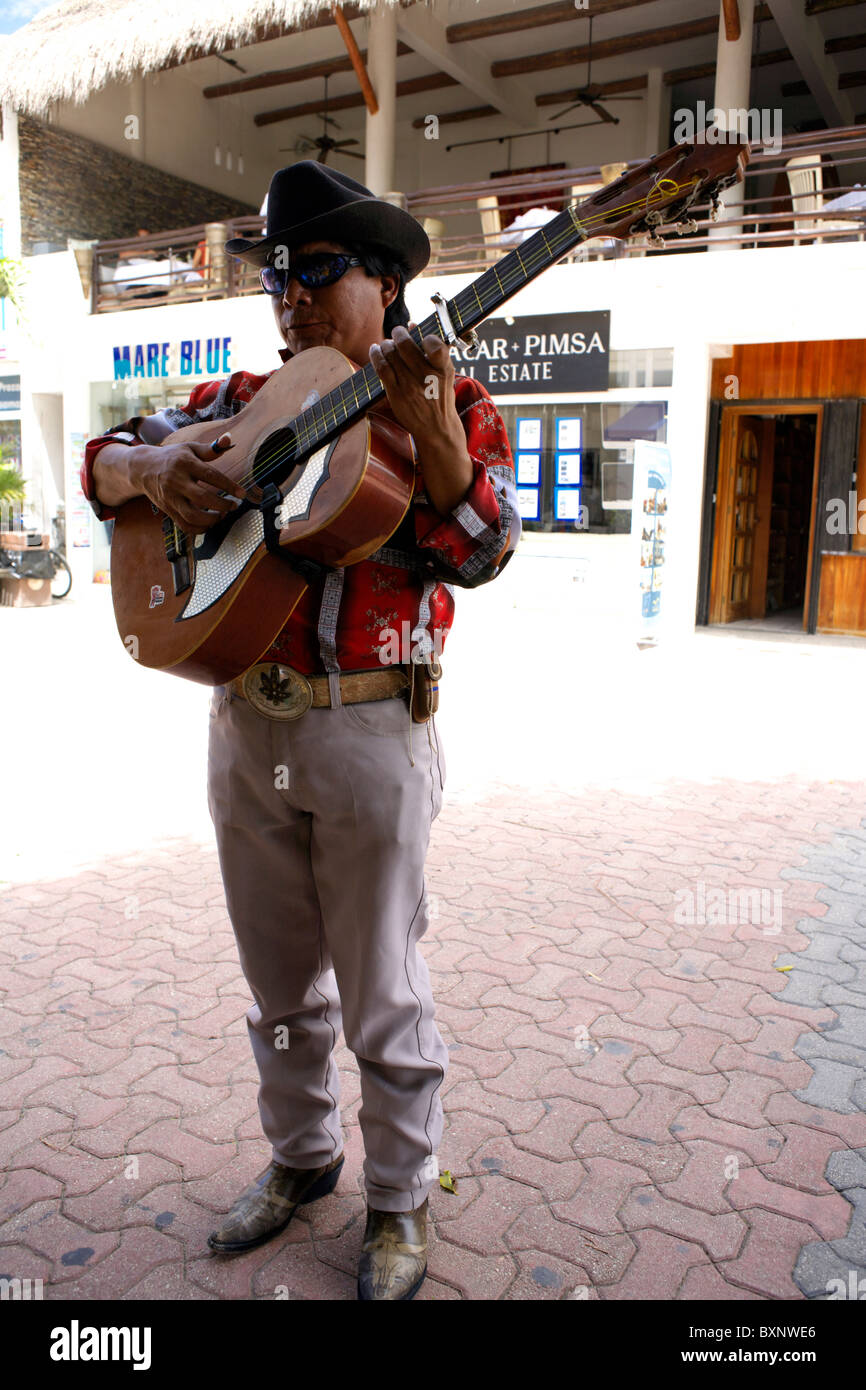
[[194, 357]]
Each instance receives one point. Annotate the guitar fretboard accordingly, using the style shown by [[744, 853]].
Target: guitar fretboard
[[348, 401]]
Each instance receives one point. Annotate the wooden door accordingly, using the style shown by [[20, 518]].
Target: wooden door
[[743, 518]]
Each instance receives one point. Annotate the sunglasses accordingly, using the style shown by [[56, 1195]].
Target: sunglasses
[[313, 271]]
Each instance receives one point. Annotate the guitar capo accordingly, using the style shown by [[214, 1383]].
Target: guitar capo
[[469, 339]]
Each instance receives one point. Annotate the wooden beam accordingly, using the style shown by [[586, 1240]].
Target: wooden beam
[[469, 113], [326, 67], [516, 20], [430, 83], [795, 89], [356, 60], [822, 6], [675, 76], [612, 48], [846, 44], [853, 79], [731, 12]]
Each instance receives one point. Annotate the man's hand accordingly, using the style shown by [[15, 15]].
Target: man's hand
[[179, 479], [420, 391]]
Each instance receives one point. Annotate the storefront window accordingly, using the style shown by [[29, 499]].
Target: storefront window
[[112, 402], [641, 368], [573, 461]]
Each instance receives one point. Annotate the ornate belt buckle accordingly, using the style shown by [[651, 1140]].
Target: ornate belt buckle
[[278, 692]]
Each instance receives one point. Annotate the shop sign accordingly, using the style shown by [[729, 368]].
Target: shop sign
[[190, 357], [10, 393], [540, 354]]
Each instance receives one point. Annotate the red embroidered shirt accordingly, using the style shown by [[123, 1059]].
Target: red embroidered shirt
[[363, 615]]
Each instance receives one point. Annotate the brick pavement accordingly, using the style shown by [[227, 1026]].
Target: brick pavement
[[642, 1101]]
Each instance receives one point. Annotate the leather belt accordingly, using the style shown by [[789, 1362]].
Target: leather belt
[[281, 692]]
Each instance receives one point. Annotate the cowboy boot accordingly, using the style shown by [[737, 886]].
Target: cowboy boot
[[267, 1206], [394, 1254]]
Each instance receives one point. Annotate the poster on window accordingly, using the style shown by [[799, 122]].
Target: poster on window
[[528, 433], [568, 470], [528, 503], [529, 469], [652, 482]]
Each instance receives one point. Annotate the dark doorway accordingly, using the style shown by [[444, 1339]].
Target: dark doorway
[[760, 524], [790, 514]]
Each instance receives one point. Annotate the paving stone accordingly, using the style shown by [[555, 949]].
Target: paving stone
[[845, 1169], [657, 1270], [831, 1085]]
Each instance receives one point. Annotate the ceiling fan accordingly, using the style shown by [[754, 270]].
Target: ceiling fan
[[323, 143], [589, 94]]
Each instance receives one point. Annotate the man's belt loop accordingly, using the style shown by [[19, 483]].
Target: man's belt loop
[[334, 688]]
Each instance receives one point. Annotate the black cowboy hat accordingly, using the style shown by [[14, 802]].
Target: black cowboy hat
[[308, 201]]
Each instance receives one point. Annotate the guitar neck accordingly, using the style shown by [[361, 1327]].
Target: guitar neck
[[354, 396]]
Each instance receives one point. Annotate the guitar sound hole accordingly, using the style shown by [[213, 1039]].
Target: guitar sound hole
[[276, 457]]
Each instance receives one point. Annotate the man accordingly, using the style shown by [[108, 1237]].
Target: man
[[323, 820]]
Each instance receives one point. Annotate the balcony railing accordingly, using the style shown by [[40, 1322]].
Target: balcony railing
[[470, 228]]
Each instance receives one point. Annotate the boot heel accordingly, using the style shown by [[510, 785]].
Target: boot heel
[[323, 1185]]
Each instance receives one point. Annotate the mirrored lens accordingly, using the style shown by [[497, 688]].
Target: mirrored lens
[[315, 271], [274, 281]]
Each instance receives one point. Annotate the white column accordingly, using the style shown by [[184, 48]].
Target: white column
[[657, 113], [382, 69], [733, 85]]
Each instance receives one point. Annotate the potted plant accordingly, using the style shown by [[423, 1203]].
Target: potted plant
[[12, 284]]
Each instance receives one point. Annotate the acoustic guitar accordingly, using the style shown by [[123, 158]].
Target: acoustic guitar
[[335, 472]]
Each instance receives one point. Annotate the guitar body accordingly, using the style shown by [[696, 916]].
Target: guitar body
[[207, 607]]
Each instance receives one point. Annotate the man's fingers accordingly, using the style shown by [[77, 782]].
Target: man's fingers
[[201, 473], [212, 448], [409, 353], [194, 518], [198, 471], [202, 495]]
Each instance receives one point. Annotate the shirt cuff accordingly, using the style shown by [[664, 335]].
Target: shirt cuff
[[470, 520], [88, 487]]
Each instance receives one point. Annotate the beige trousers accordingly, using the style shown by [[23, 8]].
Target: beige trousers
[[322, 826]]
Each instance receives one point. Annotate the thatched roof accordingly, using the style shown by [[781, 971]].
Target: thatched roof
[[77, 46]]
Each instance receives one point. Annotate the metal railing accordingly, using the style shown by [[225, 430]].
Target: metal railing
[[464, 223]]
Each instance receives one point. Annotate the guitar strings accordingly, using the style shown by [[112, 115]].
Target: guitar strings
[[310, 434]]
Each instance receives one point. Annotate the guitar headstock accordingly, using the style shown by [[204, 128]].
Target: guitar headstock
[[664, 188]]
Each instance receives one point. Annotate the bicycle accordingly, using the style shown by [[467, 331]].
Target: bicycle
[[61, 580]]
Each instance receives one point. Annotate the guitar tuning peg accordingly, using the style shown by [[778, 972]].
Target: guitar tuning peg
[[687, 228], [716, 210]]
